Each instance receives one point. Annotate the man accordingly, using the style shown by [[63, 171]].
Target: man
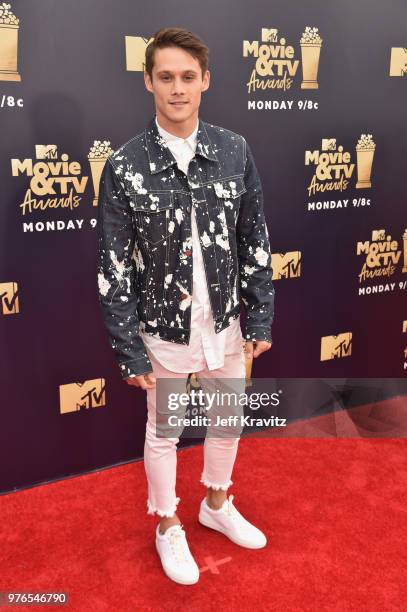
[[182, 241]]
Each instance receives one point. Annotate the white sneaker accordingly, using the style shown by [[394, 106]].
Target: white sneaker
[[232, 524], [176, 558]]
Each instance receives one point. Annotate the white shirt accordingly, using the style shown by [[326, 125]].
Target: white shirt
[[205, 348]]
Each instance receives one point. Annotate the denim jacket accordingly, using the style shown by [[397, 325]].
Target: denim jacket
[[145, 241]]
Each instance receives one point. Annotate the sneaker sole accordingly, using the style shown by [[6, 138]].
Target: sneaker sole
[[178, 580], [233, 539]]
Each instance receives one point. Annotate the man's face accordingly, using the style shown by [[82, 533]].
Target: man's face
[[177, 84]]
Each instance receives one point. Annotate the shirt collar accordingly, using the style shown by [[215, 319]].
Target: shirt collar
[[191, 139]]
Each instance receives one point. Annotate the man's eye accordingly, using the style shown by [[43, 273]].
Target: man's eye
[[188, 77]]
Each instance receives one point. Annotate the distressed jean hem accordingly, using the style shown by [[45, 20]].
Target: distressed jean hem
[[169, 513], [216, 486]]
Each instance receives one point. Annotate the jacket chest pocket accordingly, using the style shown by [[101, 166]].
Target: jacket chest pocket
[[228, 194], [154, 215]]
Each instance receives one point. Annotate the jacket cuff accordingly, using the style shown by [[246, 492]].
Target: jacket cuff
[[135, 367], [258, 332]]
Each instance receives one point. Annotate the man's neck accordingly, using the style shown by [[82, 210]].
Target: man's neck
[[182, 130]]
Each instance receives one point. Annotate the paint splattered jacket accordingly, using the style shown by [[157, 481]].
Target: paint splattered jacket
[[145, 241]]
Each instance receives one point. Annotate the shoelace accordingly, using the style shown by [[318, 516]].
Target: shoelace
[[232, 511], [177, 543]]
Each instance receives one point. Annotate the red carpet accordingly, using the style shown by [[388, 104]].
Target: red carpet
[[334, 510]]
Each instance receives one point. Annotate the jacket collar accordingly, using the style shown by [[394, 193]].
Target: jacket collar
[[159, 155]]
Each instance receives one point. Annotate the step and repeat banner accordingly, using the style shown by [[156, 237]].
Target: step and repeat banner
[[319, 92]]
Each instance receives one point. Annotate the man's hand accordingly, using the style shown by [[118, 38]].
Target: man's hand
[[145, 381], [261, 346]]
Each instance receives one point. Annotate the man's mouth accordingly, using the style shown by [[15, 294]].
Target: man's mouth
[[178, 103]]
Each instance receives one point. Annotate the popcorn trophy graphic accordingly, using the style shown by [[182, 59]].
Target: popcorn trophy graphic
[[311, 43], [364, 150], [8, 44], [97, 156]]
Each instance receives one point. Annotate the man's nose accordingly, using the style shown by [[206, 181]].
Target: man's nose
[[178, 86]]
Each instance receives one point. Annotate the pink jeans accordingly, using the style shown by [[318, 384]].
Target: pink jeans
[[160, 454]]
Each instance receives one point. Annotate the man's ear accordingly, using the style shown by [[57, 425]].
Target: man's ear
[[206, 80], [147, 81]]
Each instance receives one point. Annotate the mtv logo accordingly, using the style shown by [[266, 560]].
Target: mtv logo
[[77, 396], [286, 265], [398, 61], [9, 298], [335, 347], [136, 52], [378, 235], [329, 144], [269, 34], [46, 151]]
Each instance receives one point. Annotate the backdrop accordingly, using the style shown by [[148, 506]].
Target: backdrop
[[317, 89]]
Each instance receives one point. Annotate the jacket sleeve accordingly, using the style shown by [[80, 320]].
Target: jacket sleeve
[[256, 286], [116, 275]]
